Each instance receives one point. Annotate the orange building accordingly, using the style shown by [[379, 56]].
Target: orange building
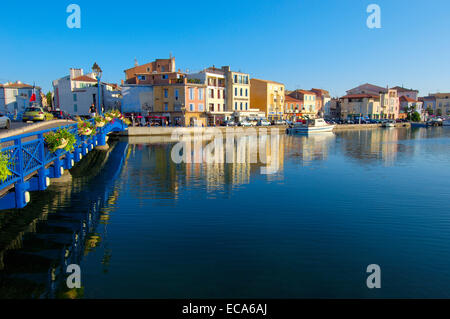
[[181, 102], [156, 72], [292, 108]]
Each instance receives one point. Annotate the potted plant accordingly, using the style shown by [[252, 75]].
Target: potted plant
[[85, 128], [5, 161], [99, 121], [60, 139]]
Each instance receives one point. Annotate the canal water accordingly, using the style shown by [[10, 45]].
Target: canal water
[[141, 226]]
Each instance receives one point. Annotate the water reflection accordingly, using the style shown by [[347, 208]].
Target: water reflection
[[59, 227]]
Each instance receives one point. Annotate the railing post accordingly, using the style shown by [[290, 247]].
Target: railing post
[[21, 187], [43, 181]]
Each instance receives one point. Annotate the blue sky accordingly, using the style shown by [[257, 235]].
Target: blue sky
[[301, 43]]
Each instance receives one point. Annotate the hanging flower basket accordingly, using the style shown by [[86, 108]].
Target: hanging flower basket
[[86, 132], [63, 144], [100, 124]]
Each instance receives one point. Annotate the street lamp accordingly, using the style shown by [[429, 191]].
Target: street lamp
[[98, 74]]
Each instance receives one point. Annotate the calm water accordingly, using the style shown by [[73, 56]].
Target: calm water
[[141, 226]]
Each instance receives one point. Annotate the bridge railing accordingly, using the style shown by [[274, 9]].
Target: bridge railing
[[28, 156]]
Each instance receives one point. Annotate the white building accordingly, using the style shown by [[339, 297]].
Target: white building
[[137, 98], [16, 96], [76, 92]]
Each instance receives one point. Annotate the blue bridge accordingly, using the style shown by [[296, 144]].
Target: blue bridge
[[33, 165]]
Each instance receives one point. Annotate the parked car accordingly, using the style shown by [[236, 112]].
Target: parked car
[[229, 123], [5, 122], [263, 122], [36, 113], [245, 123], [58, 114]]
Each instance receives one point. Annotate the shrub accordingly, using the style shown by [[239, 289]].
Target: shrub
[[4, 169]]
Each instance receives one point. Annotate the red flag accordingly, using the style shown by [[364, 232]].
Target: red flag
[[33, 97]]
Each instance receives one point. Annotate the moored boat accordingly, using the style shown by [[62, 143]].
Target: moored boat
[[311, 126]]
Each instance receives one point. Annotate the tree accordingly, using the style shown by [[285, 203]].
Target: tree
[[415, 117], [439, 112], [49, 99]]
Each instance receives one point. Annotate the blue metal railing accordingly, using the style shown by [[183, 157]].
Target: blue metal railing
[[29, 155]]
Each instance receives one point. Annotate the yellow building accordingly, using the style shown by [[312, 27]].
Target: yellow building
[[237, 90], [355, 106], [442, 103], [267, 96]]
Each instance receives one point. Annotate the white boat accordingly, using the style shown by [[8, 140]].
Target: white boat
[[388, 124], [311, 126]]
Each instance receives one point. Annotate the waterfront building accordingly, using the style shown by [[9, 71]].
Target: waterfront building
[[335, 108], [157, 72], [407, 103], [323, 103], [442, 103], [215, 98], [409, 93], [137, 98], [308, 99], [76, 92], [268, 97], [181, 102], [429, 103], [15, 97], [292, 108], [389, 101], [355, 106], [237, 93]]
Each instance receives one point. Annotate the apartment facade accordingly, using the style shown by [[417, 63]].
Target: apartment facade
[[181, 102], [409, 93], [407, 104], [389, 100], [429, 104], [152, 72], [323, 102], [268, 97], [292, 108], [309, 109], [76, 92], [237, 91], [15, 97], [442, 103], [355, 106], [215, 99]]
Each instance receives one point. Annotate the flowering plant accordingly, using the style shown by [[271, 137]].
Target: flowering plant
[[61, 139], [85, 128], [4, 169], [99, 121]]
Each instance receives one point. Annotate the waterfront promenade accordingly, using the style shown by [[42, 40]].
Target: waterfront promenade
[[168, 131]]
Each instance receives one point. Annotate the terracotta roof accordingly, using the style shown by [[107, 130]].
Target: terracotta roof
[[360, 96], [324, 92], [18, 86], [406, 99], [304, 92], [291, 99], [402, 89], [84, 78]]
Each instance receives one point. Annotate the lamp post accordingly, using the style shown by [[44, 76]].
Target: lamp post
[[98, 74]]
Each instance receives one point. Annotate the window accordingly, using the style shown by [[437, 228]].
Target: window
[[191, 107], [176, 94], [218, 94], [166, 93], [235, 92], [246, 92], [211, 93], [162, 69], [75, 108], [235, 79], [165, 76], [211, 107], [241, 91], [240, 78], [200, 94], [191, 93], [200, 107], [241, 106], [166, 106], [235, 105], [75, 97], [142, 77], [246, 106]]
